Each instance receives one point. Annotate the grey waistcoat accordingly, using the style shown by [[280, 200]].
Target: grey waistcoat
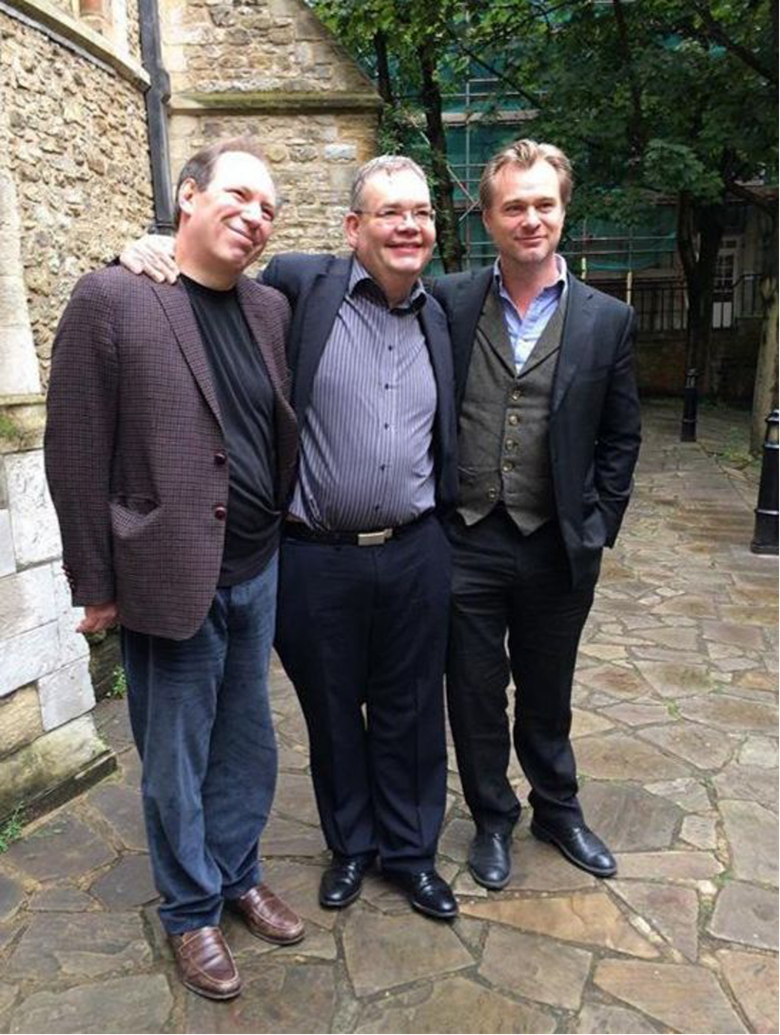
[[502, 443]]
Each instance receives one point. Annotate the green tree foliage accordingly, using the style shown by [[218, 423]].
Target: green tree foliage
[[653, 100], [404, 44]]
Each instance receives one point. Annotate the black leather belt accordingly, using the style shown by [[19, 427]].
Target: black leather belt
[[377, 537]]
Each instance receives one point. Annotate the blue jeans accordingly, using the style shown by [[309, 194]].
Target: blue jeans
[[202, 724]]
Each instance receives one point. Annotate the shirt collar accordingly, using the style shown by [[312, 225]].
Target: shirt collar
[[560, 265], [360, 278]]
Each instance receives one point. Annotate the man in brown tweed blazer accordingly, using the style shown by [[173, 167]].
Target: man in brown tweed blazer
[[170, 448]]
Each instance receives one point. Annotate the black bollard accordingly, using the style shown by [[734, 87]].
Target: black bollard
[[765, 534], [690, 408]]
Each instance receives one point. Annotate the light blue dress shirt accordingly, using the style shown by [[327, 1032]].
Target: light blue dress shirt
[[525, 331]]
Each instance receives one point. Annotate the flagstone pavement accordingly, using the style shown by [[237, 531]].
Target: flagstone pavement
[[676, 738]]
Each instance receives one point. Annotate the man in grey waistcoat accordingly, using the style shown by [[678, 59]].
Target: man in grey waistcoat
[[548, 439]]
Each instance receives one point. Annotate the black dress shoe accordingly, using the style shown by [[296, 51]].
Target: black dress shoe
[[428, 893], [341, 883], [580, 846], [490, 859]]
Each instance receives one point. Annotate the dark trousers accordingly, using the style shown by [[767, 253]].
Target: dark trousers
[[361, 632], [513, 590], [202, 724]]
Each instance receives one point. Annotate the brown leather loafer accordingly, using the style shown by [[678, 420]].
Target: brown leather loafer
[[205, 963], [267, 916]]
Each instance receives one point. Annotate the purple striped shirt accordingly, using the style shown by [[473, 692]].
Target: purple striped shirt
[[366, 445]]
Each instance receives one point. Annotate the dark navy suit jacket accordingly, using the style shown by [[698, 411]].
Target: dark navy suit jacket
[[594, 431], [315, 286]]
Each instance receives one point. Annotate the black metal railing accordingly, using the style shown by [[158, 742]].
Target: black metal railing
[[662, 304]]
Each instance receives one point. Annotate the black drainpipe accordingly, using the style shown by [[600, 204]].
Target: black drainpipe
[[157, 97]]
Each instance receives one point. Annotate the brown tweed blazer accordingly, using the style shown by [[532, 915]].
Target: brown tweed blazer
[[135, 450]]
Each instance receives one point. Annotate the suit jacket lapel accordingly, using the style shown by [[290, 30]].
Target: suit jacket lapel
[[434, 325], [321, 307], [464, 316], [176, 305], [575, 339], [253, 313]]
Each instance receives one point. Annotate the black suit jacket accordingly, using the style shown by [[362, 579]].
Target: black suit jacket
[[594, 431], [315, 286]]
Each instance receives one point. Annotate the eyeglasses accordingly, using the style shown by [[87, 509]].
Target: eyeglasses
[[393, 217]]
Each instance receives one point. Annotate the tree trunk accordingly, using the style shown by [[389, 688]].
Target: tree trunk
[[699, 261], [389, 135], [450, 247], [767, 387], [384, 79]]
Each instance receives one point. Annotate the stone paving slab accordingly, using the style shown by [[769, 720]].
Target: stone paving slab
[[675, 730], [143, 1003]]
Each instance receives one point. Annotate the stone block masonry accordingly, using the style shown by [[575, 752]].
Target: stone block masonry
[[74, 185], [78, 157], [270, 69], [312, 158]]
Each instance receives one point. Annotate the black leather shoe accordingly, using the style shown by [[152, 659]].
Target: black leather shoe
[[490, 859], [342, 882], [428, 893], [580, 846]]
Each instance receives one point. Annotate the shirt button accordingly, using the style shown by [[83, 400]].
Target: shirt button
[[220, 458], [220, 512], [492, 494], [513, 419], [507, 466]]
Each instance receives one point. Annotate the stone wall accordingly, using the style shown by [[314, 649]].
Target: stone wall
[[660, 363], [133, 30], [79, 158], [270, 68], [74, 183], [312, 159], [256, 45]]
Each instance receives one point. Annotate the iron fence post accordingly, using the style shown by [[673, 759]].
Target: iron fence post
[[690, 408], [765, 534]]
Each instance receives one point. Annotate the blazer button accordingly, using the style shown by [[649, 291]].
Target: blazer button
[[507, 466], [220, 512], [220, 458]]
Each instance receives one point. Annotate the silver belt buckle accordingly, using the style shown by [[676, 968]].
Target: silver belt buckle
[[374, 538]]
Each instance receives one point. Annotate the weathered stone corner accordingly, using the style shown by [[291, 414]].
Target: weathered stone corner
[[53, 768]]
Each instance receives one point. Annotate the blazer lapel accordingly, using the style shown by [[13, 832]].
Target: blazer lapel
[[464, 318], [313, 327], [253, 313], [434, 325], [176, 305], [575, 339]]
